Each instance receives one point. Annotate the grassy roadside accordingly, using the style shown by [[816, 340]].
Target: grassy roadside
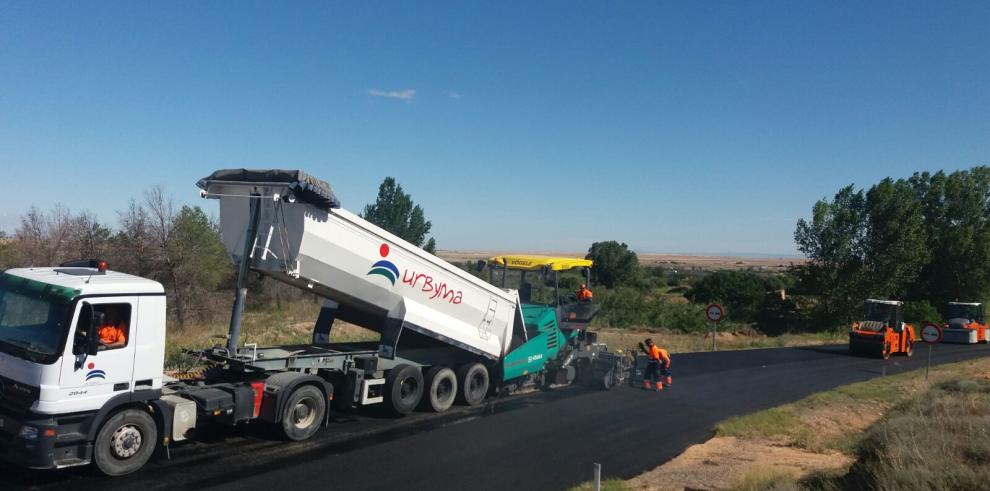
[[895, 432]]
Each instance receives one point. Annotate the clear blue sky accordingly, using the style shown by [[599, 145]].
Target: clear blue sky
[[689, 127]]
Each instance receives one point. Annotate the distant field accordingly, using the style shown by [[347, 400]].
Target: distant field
[[673, 261]]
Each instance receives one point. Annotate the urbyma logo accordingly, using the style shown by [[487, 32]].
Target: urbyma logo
[[385, 267]]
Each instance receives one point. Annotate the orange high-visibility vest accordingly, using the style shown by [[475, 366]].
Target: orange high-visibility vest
[[112, 335], [659, 354]]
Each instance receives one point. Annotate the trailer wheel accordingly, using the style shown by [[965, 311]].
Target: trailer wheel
[[608, 380], [125, 442], [441, 389], [403, 389], [303, 413], [473, 380]]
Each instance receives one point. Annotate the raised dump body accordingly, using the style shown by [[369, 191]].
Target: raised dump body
[[379, 280]]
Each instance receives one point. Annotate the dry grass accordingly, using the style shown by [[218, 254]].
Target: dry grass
[[938, 440], [607, 485], [906, 433], [291, 324]]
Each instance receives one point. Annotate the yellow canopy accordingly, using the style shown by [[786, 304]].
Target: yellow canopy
[[535, 263]]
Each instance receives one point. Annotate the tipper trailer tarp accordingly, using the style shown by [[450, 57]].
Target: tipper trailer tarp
[[381, 281]]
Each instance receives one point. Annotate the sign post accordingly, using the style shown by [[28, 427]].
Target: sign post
[[932, 335], [714, 312]]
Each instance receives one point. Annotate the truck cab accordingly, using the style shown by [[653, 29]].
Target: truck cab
[[58, 379]]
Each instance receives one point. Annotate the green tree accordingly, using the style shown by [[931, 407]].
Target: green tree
[[743, 294], [614, 265], [894, 246], [197, 262], [395, 211], [956, 208], [7, 258], [833, 243]]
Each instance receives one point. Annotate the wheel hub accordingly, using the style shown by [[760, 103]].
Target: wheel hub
[[303, 415], [126, 441]]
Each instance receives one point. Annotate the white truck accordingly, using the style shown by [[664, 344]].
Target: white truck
[[82, 347]]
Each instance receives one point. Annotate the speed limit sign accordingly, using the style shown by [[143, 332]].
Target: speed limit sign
[[931, 334], [714, 312]]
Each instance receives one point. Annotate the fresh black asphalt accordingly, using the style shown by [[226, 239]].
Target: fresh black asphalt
[[541, 441]]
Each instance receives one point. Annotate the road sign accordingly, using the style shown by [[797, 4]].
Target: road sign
[[714, 312], [931, 334]]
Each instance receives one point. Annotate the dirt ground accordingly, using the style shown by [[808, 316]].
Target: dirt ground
[[720, 462], [671, 261]]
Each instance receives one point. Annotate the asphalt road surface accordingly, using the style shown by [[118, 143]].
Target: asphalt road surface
[[540, 441]]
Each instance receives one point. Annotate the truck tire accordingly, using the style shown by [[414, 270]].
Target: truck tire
[[440, 384], [125, 442], [473, 381], [303, 413], [403, 389]]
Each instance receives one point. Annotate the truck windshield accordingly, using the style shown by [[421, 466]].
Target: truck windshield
[[968, 312], [31, 326]]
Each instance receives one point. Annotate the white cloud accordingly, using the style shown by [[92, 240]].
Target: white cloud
[[403, 95], [454, 95]]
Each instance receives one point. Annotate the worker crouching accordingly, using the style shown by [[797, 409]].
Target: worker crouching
[[657, 371]]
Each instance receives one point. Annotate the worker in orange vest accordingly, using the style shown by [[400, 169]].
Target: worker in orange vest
[[112, 336], [658, 365], [584, 294]]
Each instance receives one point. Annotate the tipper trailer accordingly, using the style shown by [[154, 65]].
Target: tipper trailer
[[82, 347]]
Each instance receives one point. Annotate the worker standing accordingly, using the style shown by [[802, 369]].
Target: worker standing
[[658, 365]]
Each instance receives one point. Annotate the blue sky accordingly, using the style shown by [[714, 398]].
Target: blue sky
[[675, 127]]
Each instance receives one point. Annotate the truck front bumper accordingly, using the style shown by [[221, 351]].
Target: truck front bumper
[[38, 441]]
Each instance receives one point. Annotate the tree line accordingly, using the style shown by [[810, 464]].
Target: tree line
[[178, 246], [924, 239]]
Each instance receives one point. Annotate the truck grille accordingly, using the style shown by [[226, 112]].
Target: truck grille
[[17, 397]]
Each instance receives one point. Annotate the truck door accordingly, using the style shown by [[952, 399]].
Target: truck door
[[88, 381]]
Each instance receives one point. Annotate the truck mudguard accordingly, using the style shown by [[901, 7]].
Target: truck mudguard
[[278, 387]]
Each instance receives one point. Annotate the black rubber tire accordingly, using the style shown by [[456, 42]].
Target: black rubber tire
[[473, 381], [125, 442], [304, 411], [440, 384], [909, 348], [403, 389]]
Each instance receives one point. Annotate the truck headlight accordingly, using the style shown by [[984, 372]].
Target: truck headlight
[[28, 433]]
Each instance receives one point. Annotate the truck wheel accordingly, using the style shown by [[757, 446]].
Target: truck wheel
[[403, 389], [303, 413], [473, 380], [441, 389], [125, 442]]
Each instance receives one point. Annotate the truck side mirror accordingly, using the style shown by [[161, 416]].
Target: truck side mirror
[[87, 341]]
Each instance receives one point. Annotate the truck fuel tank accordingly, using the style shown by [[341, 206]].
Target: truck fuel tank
[[183, 416]]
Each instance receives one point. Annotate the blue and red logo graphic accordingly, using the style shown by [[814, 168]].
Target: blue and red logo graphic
[[95, 374], [385, 267]]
